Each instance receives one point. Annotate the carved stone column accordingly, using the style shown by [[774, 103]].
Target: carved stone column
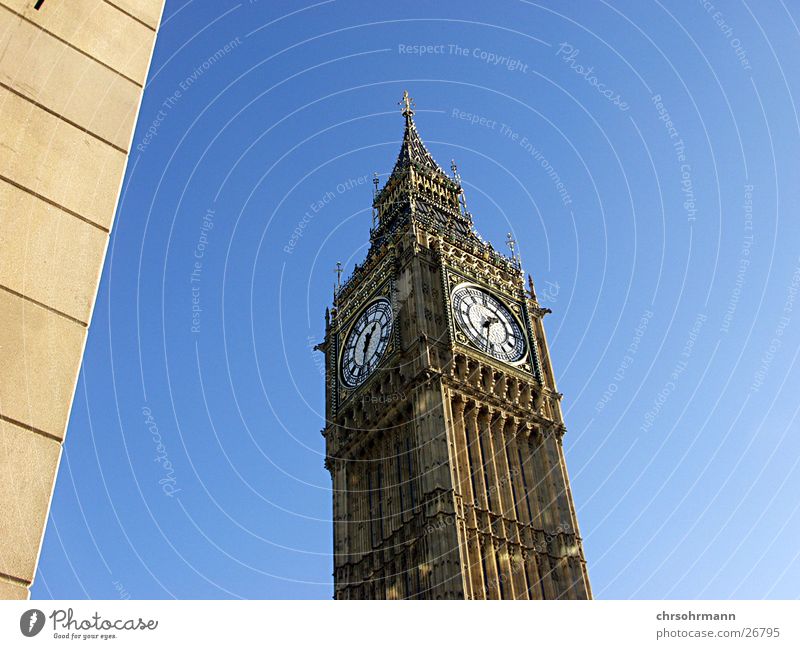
[[465, 499], [485, 478], [479, 499], [511, 522]]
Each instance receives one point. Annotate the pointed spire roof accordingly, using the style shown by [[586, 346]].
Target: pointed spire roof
[[419, 189], [413, 151]]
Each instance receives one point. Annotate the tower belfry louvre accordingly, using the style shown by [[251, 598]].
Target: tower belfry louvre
[[443, 422]]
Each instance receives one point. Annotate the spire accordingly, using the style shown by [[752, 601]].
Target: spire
[[413, 151], [418, 188]]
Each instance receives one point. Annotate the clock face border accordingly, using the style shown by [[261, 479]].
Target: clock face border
[[530, 364], [509, 313], [506, 305], [379, 353], [383, 290]]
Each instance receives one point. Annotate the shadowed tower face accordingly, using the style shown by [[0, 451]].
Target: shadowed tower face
[[444, 428]]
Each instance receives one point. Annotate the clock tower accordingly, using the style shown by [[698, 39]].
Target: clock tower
[[443, 422]]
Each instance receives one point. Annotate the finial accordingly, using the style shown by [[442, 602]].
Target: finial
[[462, 199], [454, 169], [374, 196], [338, 271], [406, 103], [511, 243], [531, 290]]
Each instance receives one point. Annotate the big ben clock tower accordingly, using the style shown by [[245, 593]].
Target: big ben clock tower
[[443, 422]]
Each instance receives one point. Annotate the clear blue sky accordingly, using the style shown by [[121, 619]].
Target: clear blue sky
[[669, 256]]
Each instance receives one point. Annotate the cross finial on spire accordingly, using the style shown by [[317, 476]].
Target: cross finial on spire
[[407, 103]]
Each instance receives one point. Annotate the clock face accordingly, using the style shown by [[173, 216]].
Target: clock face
[[488, 323], [366, 342]]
